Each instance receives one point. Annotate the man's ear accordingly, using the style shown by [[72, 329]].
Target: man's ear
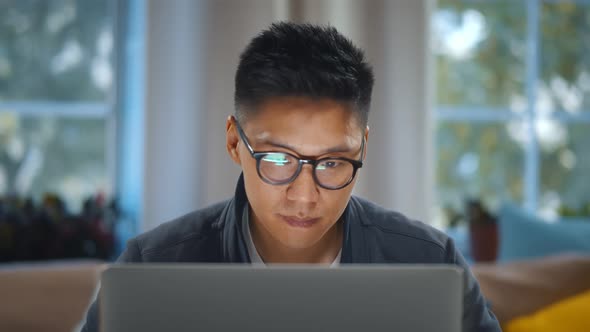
[[366, 141], [232, 139]]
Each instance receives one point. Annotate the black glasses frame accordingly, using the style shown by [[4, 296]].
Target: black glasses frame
[[258, 155]]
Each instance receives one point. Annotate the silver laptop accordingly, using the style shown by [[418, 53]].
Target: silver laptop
[[195, 297]]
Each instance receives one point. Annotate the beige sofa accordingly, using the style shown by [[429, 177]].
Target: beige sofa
[[521, 288], [50, 297]]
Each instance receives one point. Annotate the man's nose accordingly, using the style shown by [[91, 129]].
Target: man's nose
[[303, 188]]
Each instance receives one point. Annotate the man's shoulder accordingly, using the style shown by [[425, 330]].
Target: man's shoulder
[[393, 231], [197, 226]]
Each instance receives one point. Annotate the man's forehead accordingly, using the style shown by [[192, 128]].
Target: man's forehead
[[307, 141], [295, 137], [308, 147], [305, 112], [305, 125]]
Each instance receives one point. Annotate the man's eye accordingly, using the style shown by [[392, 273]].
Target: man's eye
[[278, 159], [329, 164]]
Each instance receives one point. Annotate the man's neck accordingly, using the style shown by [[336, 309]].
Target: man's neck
[[273, 251]]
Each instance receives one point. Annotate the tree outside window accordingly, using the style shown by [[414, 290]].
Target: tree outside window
[[512, 104]]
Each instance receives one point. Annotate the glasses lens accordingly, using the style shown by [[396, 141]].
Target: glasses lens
[[277, 167], [334, 173]]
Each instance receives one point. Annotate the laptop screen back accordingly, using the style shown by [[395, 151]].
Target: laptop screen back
[[192, 297]]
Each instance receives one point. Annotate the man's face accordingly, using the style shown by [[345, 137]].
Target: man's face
[[300, 213]]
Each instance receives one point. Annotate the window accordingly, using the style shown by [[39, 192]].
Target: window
[[512, 103], [56, 98]]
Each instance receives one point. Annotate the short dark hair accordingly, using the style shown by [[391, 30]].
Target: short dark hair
[[290, 59]]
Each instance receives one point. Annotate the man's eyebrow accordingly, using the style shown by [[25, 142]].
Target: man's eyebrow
[[335, 149]]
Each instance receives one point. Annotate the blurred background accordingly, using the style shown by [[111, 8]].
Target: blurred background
[[112, 112], [112, 117]]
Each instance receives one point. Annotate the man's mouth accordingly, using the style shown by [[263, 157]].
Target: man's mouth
[[305, 222]]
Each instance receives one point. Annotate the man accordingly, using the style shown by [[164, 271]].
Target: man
[[300, 135]]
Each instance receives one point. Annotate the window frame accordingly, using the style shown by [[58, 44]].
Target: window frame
[[122, 110], [483, 114]]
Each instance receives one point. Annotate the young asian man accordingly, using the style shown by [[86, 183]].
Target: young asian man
[[300, 135]]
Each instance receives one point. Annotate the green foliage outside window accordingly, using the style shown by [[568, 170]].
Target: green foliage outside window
[[481, 67], [56, 83]]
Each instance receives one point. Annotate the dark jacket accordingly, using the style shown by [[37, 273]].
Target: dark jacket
[[371, 235]]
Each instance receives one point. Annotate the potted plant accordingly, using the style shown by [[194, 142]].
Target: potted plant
[[483, 232]]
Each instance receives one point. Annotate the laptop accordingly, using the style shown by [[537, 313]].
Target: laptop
[[197, 297]]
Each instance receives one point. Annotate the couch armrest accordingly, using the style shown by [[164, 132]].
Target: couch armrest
[[523, 287], [46, 297]]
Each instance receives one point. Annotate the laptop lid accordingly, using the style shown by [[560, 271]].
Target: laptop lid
[[193, 297]]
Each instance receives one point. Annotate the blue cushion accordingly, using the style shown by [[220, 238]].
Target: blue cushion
[[460, 235], [523, 235]]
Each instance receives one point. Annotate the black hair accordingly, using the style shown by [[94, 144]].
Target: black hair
[[304, 60]]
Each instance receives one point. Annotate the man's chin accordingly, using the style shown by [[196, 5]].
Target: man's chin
[[300, 242]]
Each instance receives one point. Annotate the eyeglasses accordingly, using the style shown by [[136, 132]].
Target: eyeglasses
[[279, 168]]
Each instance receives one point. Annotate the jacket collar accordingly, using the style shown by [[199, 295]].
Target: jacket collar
[[233, 243], [234, 249]]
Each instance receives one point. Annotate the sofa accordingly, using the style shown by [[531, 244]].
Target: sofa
[[540, 278], [48, 297]]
